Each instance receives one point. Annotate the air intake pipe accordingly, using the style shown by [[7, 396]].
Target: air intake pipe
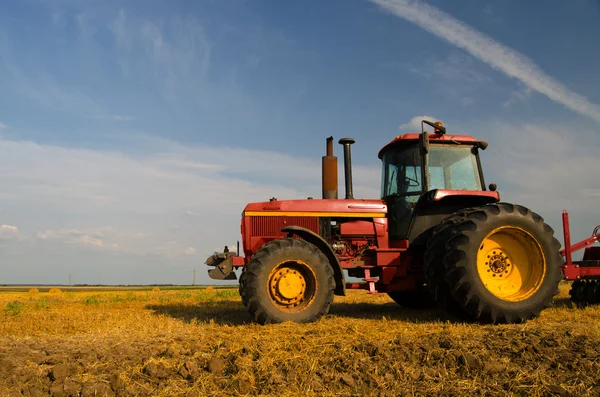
[[346, 142], [330, 172]]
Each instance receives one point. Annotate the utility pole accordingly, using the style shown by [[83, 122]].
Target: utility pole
[[69, 279], [194, 284]]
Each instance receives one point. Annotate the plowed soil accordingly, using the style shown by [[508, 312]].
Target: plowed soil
[[201, 343]]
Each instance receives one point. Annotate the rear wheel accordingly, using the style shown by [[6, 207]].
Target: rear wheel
[[502, 263], [241, 286], [435, 271], [287, 280]]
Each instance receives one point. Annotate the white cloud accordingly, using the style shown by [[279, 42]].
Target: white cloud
[[88, 237], [2, 125], [415, 123], [8, 232], [490, 51]]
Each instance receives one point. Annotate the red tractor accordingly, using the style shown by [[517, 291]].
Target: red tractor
[[436, 236]]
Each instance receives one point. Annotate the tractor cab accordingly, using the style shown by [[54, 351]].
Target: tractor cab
[[418, 169]]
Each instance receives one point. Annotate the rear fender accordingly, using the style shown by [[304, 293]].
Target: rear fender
[[320, 243]]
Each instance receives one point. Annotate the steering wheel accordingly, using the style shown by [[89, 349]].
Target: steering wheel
[[410, 180]]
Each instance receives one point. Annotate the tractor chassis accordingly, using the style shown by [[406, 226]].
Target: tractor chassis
[[585, 271]]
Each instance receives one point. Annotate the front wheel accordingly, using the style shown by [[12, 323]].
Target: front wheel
[[288, 280], [502, 263]]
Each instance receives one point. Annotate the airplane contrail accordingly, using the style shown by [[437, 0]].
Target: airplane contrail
[[490, 51]]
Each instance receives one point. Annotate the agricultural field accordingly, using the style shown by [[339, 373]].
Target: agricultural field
[[200, 342]]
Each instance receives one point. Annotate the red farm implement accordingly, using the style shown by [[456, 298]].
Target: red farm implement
[[585, 273]]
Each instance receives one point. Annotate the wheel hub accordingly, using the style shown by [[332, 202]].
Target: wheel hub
[[288, 286], [498, 263]]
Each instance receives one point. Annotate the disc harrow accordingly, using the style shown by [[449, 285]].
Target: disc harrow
[[585, 273], [586, 292]]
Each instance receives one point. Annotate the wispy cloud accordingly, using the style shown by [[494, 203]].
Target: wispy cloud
[[490, 51], [115, 117], [41, 88], [415, 122], [119, 29], [518, 97], [2, 125], [177, 51]]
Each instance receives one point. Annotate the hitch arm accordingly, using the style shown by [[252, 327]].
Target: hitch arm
[[569, 249]]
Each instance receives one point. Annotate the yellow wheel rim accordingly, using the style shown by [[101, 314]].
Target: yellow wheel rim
[[511, 263], [292, 286]]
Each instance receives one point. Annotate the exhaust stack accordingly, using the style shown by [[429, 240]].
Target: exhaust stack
[[330, 172], [346, 142]]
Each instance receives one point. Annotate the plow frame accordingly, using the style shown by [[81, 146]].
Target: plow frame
[[589, 267]]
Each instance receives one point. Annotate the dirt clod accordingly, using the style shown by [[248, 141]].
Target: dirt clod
[[117, 384], [216, 366], [154, 370], [470, 361], [59, 372], [348, 380], [558, 390], [192, 369], [243, 386], [96, 389]]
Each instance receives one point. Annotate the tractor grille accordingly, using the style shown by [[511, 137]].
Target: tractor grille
[[270, 226]]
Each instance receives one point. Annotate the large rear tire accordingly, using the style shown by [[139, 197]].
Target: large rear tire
[[502, 263], [241, 286], [435, 270], [287, 280]]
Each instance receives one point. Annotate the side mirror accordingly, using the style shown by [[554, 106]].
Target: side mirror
[[482, 145]]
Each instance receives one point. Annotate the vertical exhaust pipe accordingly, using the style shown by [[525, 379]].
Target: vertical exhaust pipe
[[346, 142], [330, 172]]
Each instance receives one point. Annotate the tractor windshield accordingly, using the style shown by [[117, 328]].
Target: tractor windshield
[[450, 167], [453, 167]]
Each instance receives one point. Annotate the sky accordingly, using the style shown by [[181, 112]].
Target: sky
[[132, 134]]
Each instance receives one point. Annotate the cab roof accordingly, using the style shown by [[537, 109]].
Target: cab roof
[[413, 137]]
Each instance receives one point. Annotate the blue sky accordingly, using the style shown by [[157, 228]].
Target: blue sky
[[133, 133]]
